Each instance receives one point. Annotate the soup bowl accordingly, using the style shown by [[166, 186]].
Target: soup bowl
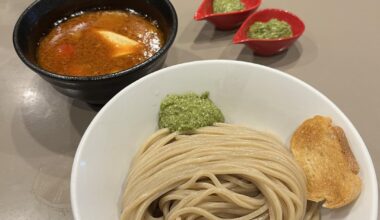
[[248, 94], [39, 18]]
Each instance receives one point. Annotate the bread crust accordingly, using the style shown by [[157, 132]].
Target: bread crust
[[323, 152]]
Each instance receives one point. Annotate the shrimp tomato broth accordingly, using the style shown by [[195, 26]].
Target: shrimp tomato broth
[[99, 42]]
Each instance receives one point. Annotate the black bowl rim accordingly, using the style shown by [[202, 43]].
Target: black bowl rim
[[162, 51]]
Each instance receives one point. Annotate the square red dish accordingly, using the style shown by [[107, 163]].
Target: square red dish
[[225, 21], [267, 47]]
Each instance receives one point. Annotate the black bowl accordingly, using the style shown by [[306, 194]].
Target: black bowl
[[39, 18]]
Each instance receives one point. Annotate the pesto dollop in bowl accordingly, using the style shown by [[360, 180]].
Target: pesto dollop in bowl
[[248, 94], [273, 29], [187, 112], [223, 6]]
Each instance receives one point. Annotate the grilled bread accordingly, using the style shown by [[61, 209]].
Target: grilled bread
[[323, 152]]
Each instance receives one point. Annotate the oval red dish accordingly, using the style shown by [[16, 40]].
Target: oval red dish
[[225, 21], [267, 47]]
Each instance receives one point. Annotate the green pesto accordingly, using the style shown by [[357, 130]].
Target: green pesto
[[188, 111], [272, 29], [223, 6]]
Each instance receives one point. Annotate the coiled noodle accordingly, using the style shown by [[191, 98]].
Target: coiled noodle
[[218, 172]]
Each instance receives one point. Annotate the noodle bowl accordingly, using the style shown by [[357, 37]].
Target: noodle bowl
[[218, 172], [257, 96]]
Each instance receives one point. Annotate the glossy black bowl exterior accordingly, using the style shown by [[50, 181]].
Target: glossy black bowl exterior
[[39, 18]]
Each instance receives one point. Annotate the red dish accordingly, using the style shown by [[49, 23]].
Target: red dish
[[225, 21], [267, 47]]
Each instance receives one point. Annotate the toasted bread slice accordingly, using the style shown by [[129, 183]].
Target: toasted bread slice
[[323, 152], [122, 45]]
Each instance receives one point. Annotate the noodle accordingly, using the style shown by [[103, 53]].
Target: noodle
[[218, 172]]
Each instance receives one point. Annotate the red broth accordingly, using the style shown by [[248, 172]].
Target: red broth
[[75, 47]]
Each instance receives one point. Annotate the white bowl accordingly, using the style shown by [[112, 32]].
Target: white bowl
[[249, 94]]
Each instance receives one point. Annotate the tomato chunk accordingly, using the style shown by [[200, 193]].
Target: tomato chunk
[[66, 50]]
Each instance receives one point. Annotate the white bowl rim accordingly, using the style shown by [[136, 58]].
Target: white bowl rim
[[78, 154]]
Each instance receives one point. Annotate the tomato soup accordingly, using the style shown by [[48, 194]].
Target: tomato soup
[[98, 43]]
